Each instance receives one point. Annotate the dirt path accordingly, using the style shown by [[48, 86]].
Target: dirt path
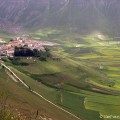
[[12, 77]]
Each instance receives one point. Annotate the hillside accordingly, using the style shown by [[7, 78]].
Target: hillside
[[85, 79], [82, 15], [60, 59], [21, 100]]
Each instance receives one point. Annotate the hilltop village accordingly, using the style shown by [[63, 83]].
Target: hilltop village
[[9, 49]]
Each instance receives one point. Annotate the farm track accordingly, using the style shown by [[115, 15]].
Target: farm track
[[11, 76]]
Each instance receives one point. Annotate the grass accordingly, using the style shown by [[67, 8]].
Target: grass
[[105, 104], [54, 72], [28, 103], [88, 65], [106, 54], [46, 91], [77, 106]]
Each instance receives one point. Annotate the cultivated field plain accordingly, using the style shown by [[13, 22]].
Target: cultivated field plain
[[85, 80]]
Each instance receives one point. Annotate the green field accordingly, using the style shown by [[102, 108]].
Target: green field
[[22, 100], [86, 80]]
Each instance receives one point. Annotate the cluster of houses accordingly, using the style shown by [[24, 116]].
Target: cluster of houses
[[8, 49]]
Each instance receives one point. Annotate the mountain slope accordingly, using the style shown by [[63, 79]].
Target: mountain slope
[[87, 15]]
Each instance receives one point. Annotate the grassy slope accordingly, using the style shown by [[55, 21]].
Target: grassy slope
[[94, 56], [55, 96], [23, 100], [85, 60], [81, 100]]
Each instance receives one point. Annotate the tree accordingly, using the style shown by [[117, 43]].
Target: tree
[[26, 52], [48, 52], [111, 84], [43, 57], [21, 51], [36, 53]]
